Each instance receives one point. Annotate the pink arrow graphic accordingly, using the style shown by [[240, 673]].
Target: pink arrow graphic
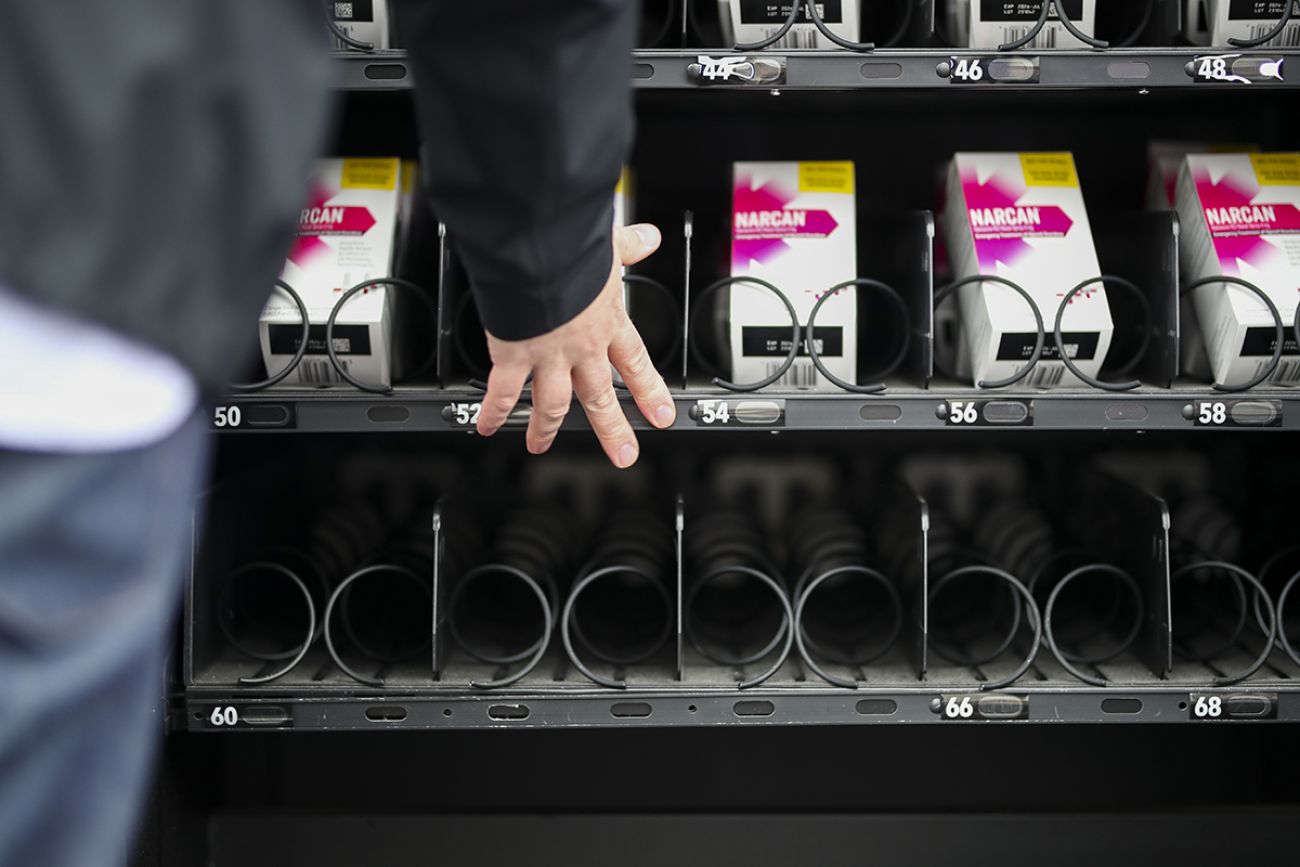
[[760, 221], [1236, 221], [1000, 225], [320, 218]]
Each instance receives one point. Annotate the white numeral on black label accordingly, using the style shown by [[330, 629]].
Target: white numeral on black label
[[227, 416], [959, 708], [223, 717], [1212, 412], [968, 70], [714, 412], [1207, 707], [465, 413], [963, 412]]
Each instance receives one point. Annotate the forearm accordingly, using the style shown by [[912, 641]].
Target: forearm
[[526, 119]]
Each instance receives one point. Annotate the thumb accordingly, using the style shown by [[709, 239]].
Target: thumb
[[636, 242]]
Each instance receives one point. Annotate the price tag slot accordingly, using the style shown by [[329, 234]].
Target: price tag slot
[[986, 413], [991, 69], [253, 416], [752, 70], [747, 412], [1210, 707], [1234, 413], [222, 717], [463, 414], [993, 706], [1236, 69]]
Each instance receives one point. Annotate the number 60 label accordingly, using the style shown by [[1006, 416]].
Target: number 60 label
[[223, 717]]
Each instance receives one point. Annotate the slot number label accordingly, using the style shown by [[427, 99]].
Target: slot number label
[[958, 707], [975, 413], [463, 414], [223, 717], [968, 70], [982, 707], [1211, 413], [711, 413], [991, 70], [1207, 707], [227, 417], [1236, 413]]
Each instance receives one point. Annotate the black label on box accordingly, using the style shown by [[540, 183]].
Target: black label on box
[[1243, 10], [767, 12], [1025, 10], [1260, 342], [758, 341], [347, 11], [1080, 346], [348, 339]]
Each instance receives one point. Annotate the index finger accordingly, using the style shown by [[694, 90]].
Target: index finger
[[503, 387]]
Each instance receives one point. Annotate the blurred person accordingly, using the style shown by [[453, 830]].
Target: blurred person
[[153, 160]]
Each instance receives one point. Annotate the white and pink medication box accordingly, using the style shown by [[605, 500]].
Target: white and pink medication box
[[794, 225], [749, 21], [347, 234], [1250, 20], [990, 23], [1240, 216], [1021, 216]]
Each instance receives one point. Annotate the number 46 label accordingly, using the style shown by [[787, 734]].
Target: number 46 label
[[967, 69]]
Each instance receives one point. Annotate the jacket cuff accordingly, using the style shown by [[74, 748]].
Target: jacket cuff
[[514, 312]]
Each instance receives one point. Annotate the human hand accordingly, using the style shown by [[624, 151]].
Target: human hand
[[576, 357]]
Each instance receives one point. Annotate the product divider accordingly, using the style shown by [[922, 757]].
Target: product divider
[[1129, 529], [1141, 247]]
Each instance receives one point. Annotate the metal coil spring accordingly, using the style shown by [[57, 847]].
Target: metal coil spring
[[385, 608], [513, 590], [736, 596], [953, 564], [862, 614], [1022, 540], [620, 610], [1207, 580], [270, 607]]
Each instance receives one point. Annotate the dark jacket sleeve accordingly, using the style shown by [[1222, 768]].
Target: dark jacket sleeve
[[525, 113]]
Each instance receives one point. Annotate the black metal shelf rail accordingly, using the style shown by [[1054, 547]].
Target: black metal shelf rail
[[734, 634], [911, 69]]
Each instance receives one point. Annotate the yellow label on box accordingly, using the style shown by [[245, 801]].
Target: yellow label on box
[[827, 177], [1049, 170], [362, 174], [1277, 169]]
